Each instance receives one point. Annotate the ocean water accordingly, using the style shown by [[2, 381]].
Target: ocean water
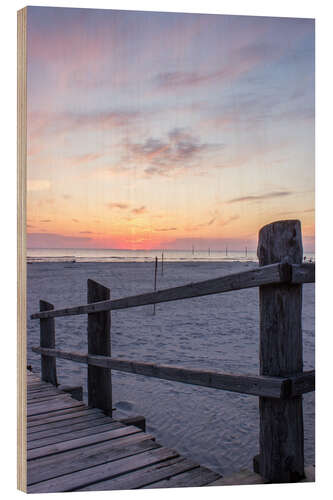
[[217, 429], [111, 255]]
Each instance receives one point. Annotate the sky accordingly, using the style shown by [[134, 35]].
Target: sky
[[160, 130]]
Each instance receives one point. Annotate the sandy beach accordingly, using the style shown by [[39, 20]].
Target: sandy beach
[[215, 428]]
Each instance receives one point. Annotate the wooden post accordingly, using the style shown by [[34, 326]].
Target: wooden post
[[99, 342], [281, 456], [155, 281], [47, 339]]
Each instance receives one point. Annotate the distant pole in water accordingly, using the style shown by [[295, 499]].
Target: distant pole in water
[[245, 251], [192, 249], [162, 263], [155, 278], [209, 252], [226, 251]]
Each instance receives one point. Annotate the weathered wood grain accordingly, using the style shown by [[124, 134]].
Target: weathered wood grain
[[99, 342], [64, 416], [57, 437], [198, 476], [41, 395], [86, 420], [76, 391], [79, 442], [71, 454], [79, 479], [276, 273], [246, 384], [145, 475], [302, 383], [37, 409], [303, 273], [56, 412], [52, 466], [281, 421], [47, 339], [48, 397]]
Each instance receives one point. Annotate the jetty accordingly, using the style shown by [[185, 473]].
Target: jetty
[[74, 446]]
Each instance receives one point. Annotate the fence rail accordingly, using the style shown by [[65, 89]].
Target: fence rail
[[268, 275], [256, 385], [281, 382]]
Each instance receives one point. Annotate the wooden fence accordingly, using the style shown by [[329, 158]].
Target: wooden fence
[[281, 382]]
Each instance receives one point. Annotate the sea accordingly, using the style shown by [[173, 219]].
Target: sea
[[116, 255]]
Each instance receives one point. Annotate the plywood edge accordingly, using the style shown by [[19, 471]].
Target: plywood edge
[[21, 246]]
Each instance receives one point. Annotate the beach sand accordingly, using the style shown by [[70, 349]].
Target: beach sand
[[220, 332]]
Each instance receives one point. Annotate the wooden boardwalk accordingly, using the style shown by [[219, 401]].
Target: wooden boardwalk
[[73, 447]]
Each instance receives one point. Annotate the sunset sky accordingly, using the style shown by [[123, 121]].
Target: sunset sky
[[158, 130]]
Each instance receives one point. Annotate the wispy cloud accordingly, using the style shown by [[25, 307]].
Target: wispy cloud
[[179, 150], [126, 206], [43, 123], [265, 196], [165, 229], [119, 205], [139, 210], [85, 158], [241, 60]]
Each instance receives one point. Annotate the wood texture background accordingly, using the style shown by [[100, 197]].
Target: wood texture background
[[21, 248]]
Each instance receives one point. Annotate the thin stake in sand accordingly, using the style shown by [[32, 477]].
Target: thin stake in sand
[[155, 279]]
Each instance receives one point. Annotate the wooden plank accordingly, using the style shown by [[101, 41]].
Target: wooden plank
[[99, 342], [66, 426], [53, 397], [42, 394], [41, 390], [57, 437], [55, 413], [276, 273], [303, 383], [247, 384], [47, 339], [39, 397], [200, 476], [48, 398], [303, 273], [80, 479], [36, 409], [281, 421], [72, 444], [40, 386], [53, 466], [78, 357], [63, 418], [45, 399], [138, 421], [244, 477], [144, 475], [75, 391]]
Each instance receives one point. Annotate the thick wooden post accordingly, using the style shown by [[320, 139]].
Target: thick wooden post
[[99, 342], [281, 456], [47, 339]]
